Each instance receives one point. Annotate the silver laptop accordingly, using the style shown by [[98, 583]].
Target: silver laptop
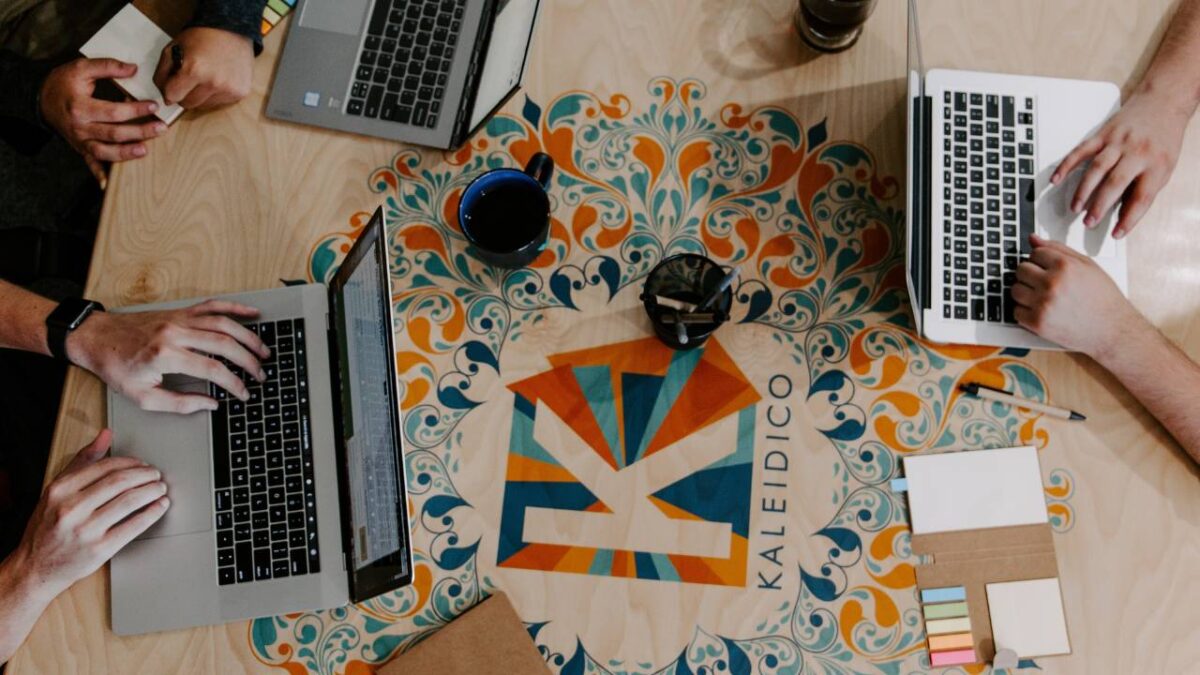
[[429, 72], [294, 500], [981, 150]]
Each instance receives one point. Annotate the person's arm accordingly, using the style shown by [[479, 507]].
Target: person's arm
[[21, 79], [1162, 377], [93, 509], [1065, 297], [132, 352], [218, 49], [1134, 153]]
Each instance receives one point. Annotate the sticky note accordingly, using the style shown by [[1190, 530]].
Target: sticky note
[[947, 594], [947, 610], [133, 38], [950, 642], [1027, 617], [940, 659], [975, 489], [939, 626], [899, 485]]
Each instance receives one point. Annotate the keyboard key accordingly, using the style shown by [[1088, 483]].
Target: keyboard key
[[244, 567], [225, 576], [262, 564]]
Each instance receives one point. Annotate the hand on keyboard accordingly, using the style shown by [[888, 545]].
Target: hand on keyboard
[[1132, 157], [1064, 296], [132, 352], [94, 508]]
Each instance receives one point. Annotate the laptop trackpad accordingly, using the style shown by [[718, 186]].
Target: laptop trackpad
[[178, 445], [335, 16], [1057, 222]]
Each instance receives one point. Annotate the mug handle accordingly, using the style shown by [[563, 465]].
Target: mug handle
[[540, 168]]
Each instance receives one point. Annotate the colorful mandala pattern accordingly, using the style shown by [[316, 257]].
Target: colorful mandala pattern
[[818, 235]]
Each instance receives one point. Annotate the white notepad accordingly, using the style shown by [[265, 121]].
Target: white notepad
[[133, 38], [974, 489], [1027, 617]]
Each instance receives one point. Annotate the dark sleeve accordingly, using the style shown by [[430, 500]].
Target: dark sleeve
[[243, 17], [21, 81]]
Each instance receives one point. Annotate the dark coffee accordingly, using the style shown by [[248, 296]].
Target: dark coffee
[[507, 214]]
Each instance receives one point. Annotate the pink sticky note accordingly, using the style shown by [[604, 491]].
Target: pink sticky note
[[954, 658]]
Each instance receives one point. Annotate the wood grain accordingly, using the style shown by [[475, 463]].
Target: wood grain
[[231, 201]]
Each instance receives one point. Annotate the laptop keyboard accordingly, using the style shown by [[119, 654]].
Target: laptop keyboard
[[988, 215], [405, 61], [264, 495]]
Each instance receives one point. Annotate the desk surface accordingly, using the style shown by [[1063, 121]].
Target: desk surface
[[710, 121]]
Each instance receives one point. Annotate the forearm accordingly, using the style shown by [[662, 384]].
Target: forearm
[[1162, 378], [243, 17], [1173, 75], [23, 319], [22, 601]]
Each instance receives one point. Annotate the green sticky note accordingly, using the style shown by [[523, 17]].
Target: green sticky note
[[280, 7], [947, 610]]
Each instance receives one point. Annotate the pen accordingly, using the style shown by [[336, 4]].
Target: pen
[[680, 330], [1001, 396], [725, 283], [176, 59]]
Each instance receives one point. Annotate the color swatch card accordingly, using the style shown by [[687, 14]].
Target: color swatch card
[[948, 625], [133, 38], [274, 12], [973, 490], [1027, 617]]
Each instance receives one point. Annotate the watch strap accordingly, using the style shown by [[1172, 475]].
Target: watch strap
[[68, 316]]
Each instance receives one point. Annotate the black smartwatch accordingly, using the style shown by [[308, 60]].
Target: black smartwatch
[[69, 315]]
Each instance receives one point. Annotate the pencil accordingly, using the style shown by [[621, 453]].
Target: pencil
[[1000, 396]]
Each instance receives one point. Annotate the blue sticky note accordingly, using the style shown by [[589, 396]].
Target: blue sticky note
[[899, 485], [949, 594]]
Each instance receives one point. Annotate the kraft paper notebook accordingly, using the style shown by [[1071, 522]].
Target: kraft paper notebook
[[488, 639], [992, 582]]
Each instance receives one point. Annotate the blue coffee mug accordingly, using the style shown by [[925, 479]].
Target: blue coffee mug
[[505, 213]]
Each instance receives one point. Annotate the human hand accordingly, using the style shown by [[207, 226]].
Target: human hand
[[93, 509], [218, 68], [101, 131], [1132, 157], [132, 352], [1064, 296]]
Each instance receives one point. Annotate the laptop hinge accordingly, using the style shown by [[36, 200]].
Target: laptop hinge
[[462, 121], [339, 438], [925, 195]]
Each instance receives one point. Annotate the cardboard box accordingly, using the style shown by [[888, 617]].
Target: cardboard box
[[488, 639]]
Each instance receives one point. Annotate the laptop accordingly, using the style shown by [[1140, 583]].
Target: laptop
[[294, 500], [429, 72], [981, 150]]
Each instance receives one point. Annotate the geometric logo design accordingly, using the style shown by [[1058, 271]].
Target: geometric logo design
[[632, 460]]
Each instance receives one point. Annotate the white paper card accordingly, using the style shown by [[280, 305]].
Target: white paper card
[[133, 38], [974, 489], [1027, 617]]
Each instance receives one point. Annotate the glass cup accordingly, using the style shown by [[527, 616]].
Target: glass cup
[[832, 25]]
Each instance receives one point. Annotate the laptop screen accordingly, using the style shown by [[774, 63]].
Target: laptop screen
[[917, 190], [504, 62], [370, 428]]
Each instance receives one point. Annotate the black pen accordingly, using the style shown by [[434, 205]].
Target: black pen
[[176, 59]]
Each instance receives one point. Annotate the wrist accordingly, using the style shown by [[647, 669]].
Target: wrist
[[83, 343], [1172, 94], [20, 582], [1126, 334]]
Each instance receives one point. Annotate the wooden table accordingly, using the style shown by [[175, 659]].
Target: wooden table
[[678, 100]]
